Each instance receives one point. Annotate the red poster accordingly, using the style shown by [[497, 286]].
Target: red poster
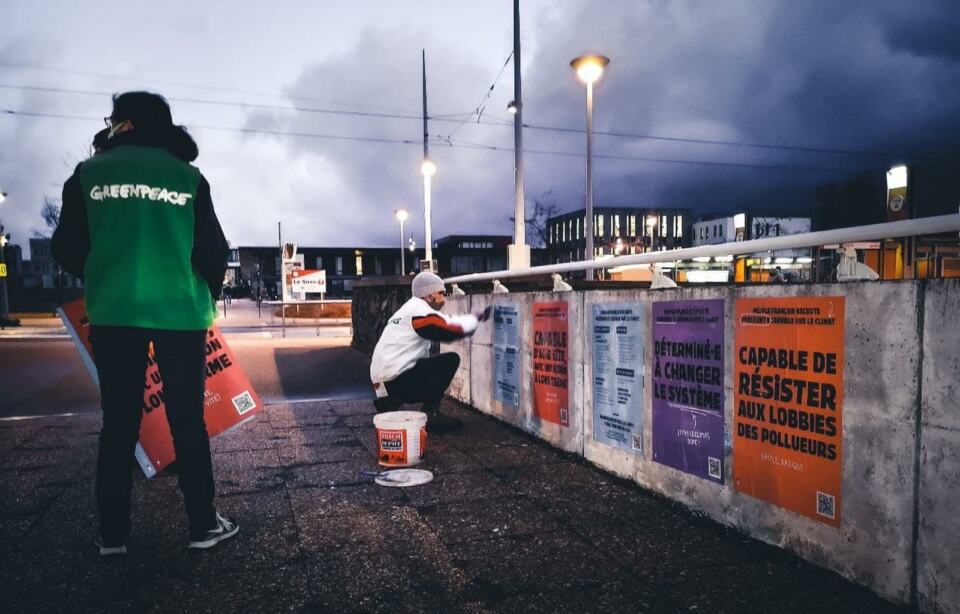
[[229, 398], [788, 403], [550, 380]]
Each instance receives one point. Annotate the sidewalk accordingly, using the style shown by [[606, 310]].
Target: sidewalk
[[507, 525], [241, 320]]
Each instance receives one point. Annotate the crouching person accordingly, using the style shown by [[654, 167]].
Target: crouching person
[[402, 369]]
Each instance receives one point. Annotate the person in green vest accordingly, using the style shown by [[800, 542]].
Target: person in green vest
[[137, 223]]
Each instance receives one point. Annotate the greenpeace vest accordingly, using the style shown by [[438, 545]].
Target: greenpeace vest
[[140, 212]]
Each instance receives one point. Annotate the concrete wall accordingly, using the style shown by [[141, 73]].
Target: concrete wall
[[938, 497], [901, 429]]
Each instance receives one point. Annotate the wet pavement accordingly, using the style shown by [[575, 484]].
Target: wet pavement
[[507, 525]]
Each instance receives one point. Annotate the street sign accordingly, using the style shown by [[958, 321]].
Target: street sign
[[3, 269], [309, 281]]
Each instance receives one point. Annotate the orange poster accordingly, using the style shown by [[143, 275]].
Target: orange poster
[[550, 352], [229, 398], [788, 403]]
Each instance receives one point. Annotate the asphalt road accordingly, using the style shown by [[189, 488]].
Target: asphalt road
[[47, 377]]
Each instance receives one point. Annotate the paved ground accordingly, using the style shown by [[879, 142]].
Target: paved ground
[[508, 525], [41, 371]]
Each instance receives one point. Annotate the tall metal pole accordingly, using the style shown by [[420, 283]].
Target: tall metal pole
[[403, 270], [283, 286], [5, 305], [519, 237], [427, 175], [589, 255]]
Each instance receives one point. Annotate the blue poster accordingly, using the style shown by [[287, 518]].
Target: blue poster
[[506, 354], [618, 375]]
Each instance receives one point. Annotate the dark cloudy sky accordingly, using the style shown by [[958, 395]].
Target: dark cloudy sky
[[879, 78]]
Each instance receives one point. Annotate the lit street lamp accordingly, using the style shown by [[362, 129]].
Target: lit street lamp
[[428, 169], [588, 69], [402, 216], [413, 247]]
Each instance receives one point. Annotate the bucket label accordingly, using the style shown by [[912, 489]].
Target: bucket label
[[392, 446]]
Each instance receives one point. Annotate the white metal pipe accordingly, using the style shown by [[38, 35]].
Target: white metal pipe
[[906, 228]]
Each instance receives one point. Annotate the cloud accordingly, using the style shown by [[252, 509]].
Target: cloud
[[810, 74], [472, 191], [863, 76]]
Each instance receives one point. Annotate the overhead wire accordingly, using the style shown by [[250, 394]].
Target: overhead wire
[[450, 118], [188, 85], [451, 144], [478, 111], [777, 167]]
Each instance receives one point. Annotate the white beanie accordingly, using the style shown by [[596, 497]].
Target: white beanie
[[426, 283]]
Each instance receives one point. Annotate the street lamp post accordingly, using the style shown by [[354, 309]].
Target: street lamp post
[[429, 169], [518, 253], [588, 69], [402, 216], [5, 306]]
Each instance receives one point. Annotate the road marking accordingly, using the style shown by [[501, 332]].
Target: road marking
[[66, 415], [281, 401], [266, 402]]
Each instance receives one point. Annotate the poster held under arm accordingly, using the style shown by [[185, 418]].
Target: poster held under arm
[[229, 398]]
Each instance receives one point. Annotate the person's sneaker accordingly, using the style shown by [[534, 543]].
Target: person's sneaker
[[385, 404], [225, 529], [442, 423], [106, 550]]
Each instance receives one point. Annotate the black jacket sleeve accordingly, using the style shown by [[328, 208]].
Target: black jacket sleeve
[[71, 240], [210, 248]]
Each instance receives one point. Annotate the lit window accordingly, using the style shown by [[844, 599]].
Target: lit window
[[632, 226], [663, 225], [599, 232], [616, 225], [359, 262], [678, 226]]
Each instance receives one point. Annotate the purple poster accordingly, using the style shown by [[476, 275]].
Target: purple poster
[[688, 387]]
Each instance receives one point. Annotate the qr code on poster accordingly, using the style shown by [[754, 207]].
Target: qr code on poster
[[713, 468], [564, 415], [826, 505], [637, 442], [244, 402]]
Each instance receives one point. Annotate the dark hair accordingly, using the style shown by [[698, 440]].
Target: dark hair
[[148, 112], [152, 123], [100, 140]]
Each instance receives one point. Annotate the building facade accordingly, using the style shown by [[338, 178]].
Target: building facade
[[454, 254], [617, 231], [796, 264]]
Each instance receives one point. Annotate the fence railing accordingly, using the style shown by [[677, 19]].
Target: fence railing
[[872, 232]]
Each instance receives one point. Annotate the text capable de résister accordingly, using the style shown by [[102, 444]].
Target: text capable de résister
[[788, 389]]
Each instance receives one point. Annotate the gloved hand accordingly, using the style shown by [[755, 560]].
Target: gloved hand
[[484, 315]]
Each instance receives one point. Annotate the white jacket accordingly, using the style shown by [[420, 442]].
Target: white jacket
[[407, 338]]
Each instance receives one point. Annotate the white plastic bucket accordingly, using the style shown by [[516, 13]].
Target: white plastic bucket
[[401, 438]]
